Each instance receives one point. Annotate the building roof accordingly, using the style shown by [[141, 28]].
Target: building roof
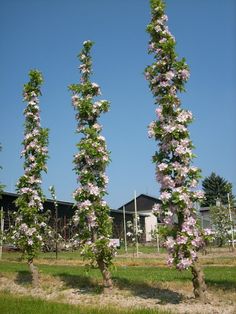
[[144, 203], [47, 200], [65, 205]]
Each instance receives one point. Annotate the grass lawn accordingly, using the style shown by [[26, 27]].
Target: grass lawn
[[27, 305], [145, 280], [221, 276]]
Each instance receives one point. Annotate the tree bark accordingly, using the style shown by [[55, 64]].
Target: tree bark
[[199, 285], [34, 273], [106, 275]]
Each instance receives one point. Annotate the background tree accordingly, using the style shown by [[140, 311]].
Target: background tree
[[56, 235], [92, 212], [220, 223], [167, 77], [216, 189], [29, 224]]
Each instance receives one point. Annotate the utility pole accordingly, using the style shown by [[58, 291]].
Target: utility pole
[[136, 222], [1, 232], [231, 221], [125, 235]]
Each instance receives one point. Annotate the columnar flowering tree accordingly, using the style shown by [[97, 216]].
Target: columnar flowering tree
[[92, 212], [30, 224], [178, 179]]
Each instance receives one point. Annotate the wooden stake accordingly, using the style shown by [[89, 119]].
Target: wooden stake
[[125, 235], [136, 223], [1, 232], [231, 222]]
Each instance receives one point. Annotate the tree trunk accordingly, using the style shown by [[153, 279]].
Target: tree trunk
[[34, 273], [199, 285], [107, 281]]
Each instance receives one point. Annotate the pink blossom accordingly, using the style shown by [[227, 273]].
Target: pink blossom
[[101, 138], [184, 197], [169, 75], [193, 255], [92, 219], [170, 261], [162, 166], [164, 83], [23, 227], [199, 194], [184, 116], [181, 240], [151, 46], [170, 243], [163, 40], [103, 203], [182, 150], [93, 189], [97, 126], [159, 113], [208, 231], [151, 131], [168, 220], [156, 209], [184, 263], [197, 242], [184, 74], [169, 128], [165, 196], [167, 182], [85, 204], [193, 183]]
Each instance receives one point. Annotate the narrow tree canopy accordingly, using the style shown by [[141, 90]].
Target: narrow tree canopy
[[220, 222]]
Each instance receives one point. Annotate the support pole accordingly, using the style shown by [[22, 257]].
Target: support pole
[[125, 235], [158, 239], [136, 222], [231, 222], [1, 232], [56, 227]]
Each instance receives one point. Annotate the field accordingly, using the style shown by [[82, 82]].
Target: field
[[141, 285]]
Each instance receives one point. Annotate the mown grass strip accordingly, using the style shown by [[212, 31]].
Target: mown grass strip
[[27, 305]]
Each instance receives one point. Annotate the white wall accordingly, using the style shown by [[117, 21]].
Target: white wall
[[150, 224]]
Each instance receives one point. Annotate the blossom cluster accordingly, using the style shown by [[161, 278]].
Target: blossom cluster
[[92, 213], [178, 179], [30, 225]]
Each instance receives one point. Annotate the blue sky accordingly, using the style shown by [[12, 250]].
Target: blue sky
[[48, 35]]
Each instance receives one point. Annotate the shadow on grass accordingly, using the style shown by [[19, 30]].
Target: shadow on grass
[[85, 284], [23, 277], [146, 291], [229, 285]]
